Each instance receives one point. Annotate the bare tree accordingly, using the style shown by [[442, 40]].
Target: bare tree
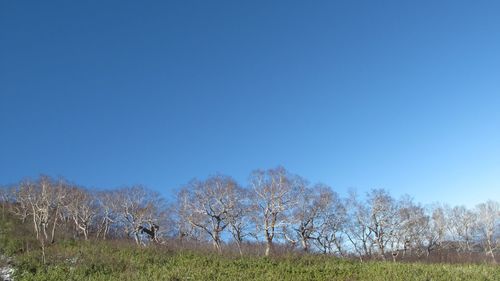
[[274, 197], [383, 213], [300, 225], [411, 224], [108, 214], [31, 198], [21, 204], [60, 199], [138, 207], [358, 229], [181, 213], [312, 210], [82, 209], [41, 200], [210, 204], [435, 231], [281, 207], [462, 226], [488, 221], [330, 221], [239, 218]]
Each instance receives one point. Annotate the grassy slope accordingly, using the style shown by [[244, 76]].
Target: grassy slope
[[110, 261], [98, 260]]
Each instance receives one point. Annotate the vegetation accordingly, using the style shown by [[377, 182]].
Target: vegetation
[[105, 261], [100, 260], [79, 259], [279, 227]]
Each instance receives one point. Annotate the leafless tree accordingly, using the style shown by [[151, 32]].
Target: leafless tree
[[312, 213], [109, 211], [282, 208], [239, 218], [42, 201], [60, 199], [21, 205], [488, 222], [410, 226], [82, 209], [181, 212], [138, 207], [273, 198], [300, 225], [329, 225], [435, 232], [358, 229], [383, 214], [462, 224], [210, 204]]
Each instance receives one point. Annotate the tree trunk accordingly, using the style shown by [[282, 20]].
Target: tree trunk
[[35, 225], [216, 241], [217, 246], [53, 229], [85, 233], [305, 244], [238, 243], [136, 237], [269, 247], [44, 227]]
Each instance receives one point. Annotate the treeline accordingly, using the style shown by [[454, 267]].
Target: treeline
[[276, 210]]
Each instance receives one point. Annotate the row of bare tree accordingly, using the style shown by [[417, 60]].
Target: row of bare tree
[[276, 209]]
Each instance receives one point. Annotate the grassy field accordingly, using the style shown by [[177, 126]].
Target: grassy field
[[121, 260], [117, 261]]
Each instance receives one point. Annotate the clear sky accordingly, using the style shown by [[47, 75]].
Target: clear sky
[[402, 95]]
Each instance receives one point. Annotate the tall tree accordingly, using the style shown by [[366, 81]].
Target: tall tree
[[82, 209], [462, 226], [410, 226], [109, 212], [139, 207], [383, 214], [211, 204], [488, 224], [329, 225], [358, 230], [274, 195], [435, 231]]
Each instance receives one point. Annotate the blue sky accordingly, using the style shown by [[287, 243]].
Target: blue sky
[[402, 95]]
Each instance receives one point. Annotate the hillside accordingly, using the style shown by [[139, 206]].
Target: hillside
[[109, 261], [121, 260]]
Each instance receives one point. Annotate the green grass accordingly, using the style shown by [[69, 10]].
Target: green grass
[[115, 260], [118, 261]]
